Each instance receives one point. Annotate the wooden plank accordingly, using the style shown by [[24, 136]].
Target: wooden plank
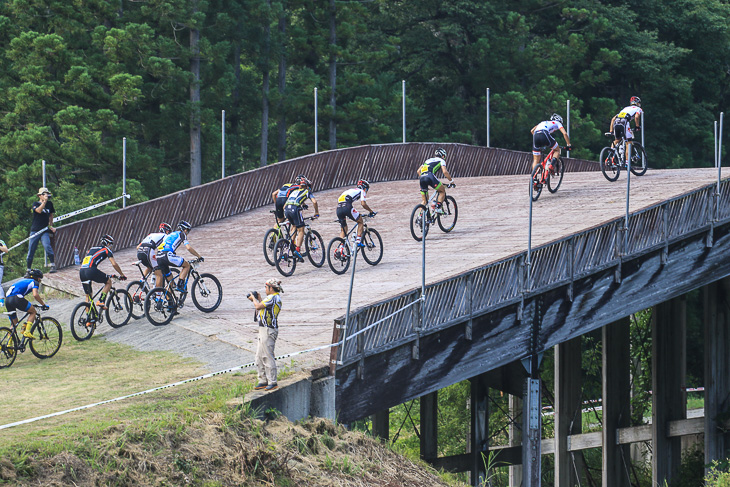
[[634, 434], [684, 427], [568, 417], [584, 441], [429, 426]]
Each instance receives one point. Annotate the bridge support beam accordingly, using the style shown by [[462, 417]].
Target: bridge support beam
[[669, 333], [568, 420], [716, 297], [479, 437], [429, 426], [381, 424], [616, 403], [515, 438], [532, 437]]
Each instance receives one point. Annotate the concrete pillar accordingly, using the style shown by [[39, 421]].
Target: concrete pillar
[[479, 429], [669, 333], [515, 438], [429, 426], [568, 418], [381, 424], [716, 299], [616, 403]]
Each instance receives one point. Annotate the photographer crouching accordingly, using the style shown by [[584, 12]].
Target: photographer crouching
[[268, 313]]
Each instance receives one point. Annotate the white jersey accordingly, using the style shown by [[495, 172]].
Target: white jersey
[[549, 125], [153, 239], [354, 194], [629, 112]]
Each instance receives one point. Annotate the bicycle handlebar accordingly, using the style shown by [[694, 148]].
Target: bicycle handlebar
[[451, 185], [44, 307]]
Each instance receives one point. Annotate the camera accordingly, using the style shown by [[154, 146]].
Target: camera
[[255, 294]]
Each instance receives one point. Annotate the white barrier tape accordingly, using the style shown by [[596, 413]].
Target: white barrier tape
[[69, 215], [383, 319]]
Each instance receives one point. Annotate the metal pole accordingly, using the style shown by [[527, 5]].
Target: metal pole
[[404, 110], [529, 238], [488, 117], [628, 192], [349, 296], [643, 162], [719, 167], [567, 120], [124, 171], [43, 164], [223, 144], [315, 120], [423, 262]]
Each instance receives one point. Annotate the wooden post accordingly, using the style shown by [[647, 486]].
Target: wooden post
[[429, 426], [479, 429], [669, 333], [716, 297], [515, 438], [381, 424], [568, 418], [616, 402]]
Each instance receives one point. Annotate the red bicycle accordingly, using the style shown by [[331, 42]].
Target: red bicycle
[[548, 172]]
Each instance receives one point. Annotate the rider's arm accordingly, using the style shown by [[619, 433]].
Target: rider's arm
[[192, 251], [446, 173], [637, 120], [316, 207], [610, 127], [565, 135], [366, 206], [533, 129], [117, 268], [37, 297], [273, 195]]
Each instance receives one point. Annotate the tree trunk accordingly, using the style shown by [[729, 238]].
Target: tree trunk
[[282, 85], [333, 75], [195, 150], [265, 88]]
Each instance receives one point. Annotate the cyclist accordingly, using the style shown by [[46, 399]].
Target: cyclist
[[621, 123], [293, 211], [345, 209], [427, 177], [166, 254], [281, 195], [542, 137], [147, 251], [89, 271], [16, 299]]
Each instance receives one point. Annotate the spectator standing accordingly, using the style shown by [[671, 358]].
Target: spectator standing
[[3, 251], [42, 211], [268, 319]]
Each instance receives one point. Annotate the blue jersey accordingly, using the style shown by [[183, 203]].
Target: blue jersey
[[171, 242], [22, 287]]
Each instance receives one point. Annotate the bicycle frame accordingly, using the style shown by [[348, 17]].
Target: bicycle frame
[[286, 224], [348, 236], [21, 339]]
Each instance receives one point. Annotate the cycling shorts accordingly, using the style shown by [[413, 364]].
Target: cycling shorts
[[148, 257], [13, 303], [345, 210], [293, 213], [279, 207], [622, 130], [542, 139], [167, 259], [428, 179], [89, 274]]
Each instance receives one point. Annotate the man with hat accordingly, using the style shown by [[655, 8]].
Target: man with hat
[[42, 211], [268, 319]]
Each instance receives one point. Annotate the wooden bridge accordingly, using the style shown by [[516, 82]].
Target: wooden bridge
[[485, 309]]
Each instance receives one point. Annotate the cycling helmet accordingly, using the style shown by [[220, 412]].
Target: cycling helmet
[[441, 152], [183, 225], [107, 240], [35, 274], [557, 118], [165, 227], [303, 181], [635, 100], [300, 178], [362, 184]]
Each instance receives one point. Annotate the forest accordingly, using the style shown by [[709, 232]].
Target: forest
[[79, 77]]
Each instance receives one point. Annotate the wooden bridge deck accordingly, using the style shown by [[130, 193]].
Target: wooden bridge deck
[[492, 224]]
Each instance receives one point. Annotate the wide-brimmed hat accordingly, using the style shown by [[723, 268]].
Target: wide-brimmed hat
[[44, 190], [276, 285]]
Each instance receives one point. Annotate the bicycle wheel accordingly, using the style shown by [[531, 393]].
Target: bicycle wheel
[[7, 348], [609, 164], [137, 292], [272, 235], [638, 159], [373, 250], [207, 293], [537, 184], [48, 337], [338, 255], [118, 308], [447, 220], [82, 327], [556, 175], [417, 215], [160, 306], [286, 263], [315, 248]]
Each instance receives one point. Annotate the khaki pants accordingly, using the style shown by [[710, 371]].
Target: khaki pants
[[265, 362]]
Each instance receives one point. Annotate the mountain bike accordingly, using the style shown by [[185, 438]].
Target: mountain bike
[[138, 289], [446, 217], [47, 338], [286, 261], [340, 250], [549, 172], [612, 159], [162, 303], [86, 316], [273, 235]]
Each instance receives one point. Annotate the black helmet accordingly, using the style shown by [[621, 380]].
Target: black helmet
[[35, 274], [363, 184], [635, 100], [556, 118], [107, 240], [441, 152], [165, 227], [183, 225]]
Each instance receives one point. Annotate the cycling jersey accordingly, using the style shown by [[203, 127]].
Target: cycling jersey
[[22, 287], [628, 113], [286, 190], [152, 240], [95, 257], [171, 242], [432, 165], [269, 316], [549, 125], [299, 196], [354, 194]]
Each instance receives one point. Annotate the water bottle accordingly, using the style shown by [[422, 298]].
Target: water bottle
[[77, 260]]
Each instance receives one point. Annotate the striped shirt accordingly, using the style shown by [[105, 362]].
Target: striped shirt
[[269, 316]]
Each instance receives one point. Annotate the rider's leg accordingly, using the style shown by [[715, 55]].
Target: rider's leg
[[424, 198], [185, 270], [300, 237], [29, 322], [442, 193], [535, 159], [628, 150]]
